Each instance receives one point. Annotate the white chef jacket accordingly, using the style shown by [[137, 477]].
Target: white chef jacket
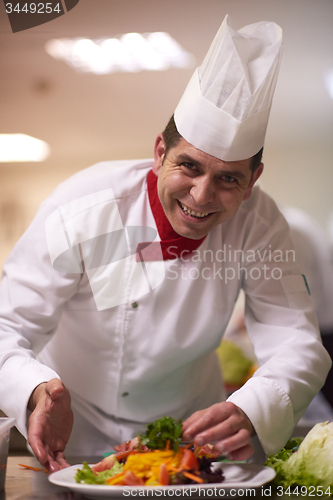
[[153, 354]]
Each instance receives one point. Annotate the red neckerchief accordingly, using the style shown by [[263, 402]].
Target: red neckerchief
[[172, 243]]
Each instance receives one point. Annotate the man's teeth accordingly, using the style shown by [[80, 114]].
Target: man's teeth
[[188, 211]]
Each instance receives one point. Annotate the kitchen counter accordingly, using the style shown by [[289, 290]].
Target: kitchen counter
[[26, 484]]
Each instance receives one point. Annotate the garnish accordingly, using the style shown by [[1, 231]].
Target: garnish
[[163, 433]]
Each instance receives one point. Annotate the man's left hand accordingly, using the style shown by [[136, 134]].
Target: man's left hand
[[226, 425]]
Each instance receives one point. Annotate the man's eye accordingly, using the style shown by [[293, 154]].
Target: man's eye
[[228, 179], [189, 168], [188, 165]]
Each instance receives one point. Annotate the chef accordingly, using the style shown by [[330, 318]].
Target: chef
[[114, 300]]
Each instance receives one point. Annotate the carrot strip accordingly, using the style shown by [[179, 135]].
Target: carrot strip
[[114, 479], [171, 468], [33, 468], [186, 467], [188, 445], [193, 477]]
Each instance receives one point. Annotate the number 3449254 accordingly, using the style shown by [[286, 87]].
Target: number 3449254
[[33, 8], [304, 491]]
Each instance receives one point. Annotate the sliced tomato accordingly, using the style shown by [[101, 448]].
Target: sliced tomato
[[189, 461], [207, 450], [106, 464], [163, 476], [128, 445], [130, 479]]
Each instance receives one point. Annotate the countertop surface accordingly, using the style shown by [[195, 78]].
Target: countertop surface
[[28, 484]]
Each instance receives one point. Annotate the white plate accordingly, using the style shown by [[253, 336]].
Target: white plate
[[239, 476]]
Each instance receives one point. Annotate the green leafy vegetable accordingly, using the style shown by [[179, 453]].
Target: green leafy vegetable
[[277, 461], [160, 432], [311, 464], [86, 475]]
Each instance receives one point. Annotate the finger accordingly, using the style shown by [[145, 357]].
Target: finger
[[198, 422], [61, 460], [191, 419], [234, 442], [55, 388], [204, 420], [219, 432], [56, 461], [242, 453], [41, 451], [45, 459], [38, 448], [52, 465]]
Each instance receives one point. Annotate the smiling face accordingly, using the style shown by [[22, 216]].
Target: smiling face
[[198, 191]]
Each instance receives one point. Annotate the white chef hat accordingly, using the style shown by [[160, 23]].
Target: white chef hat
[[225, 108]]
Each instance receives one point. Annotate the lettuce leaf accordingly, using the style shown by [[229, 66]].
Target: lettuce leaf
[[86, 475], [311, 464]]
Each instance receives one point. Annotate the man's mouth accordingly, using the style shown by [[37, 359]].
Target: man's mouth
[[192, 213]]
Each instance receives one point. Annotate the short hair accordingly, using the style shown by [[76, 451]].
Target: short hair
[[172, 137], [256, 160]]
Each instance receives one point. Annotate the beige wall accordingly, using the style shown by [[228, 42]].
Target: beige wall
[[22, 189], [301, 176]]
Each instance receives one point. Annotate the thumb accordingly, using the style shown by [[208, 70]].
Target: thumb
[[55, 388]]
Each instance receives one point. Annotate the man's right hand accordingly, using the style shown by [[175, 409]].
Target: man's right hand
[[50, 423]]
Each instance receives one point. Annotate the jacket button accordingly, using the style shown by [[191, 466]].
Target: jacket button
[[124, 394], [134, 305]]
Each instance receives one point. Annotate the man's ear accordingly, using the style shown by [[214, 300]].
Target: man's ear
[[159, 152], [254, 179]]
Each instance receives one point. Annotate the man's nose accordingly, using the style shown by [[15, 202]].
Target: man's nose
[[202, 190]]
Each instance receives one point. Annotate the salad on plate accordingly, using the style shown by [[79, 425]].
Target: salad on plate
[[158, 457]]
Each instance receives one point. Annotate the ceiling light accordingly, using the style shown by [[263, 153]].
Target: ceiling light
[[131, 52], [22, 147]]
